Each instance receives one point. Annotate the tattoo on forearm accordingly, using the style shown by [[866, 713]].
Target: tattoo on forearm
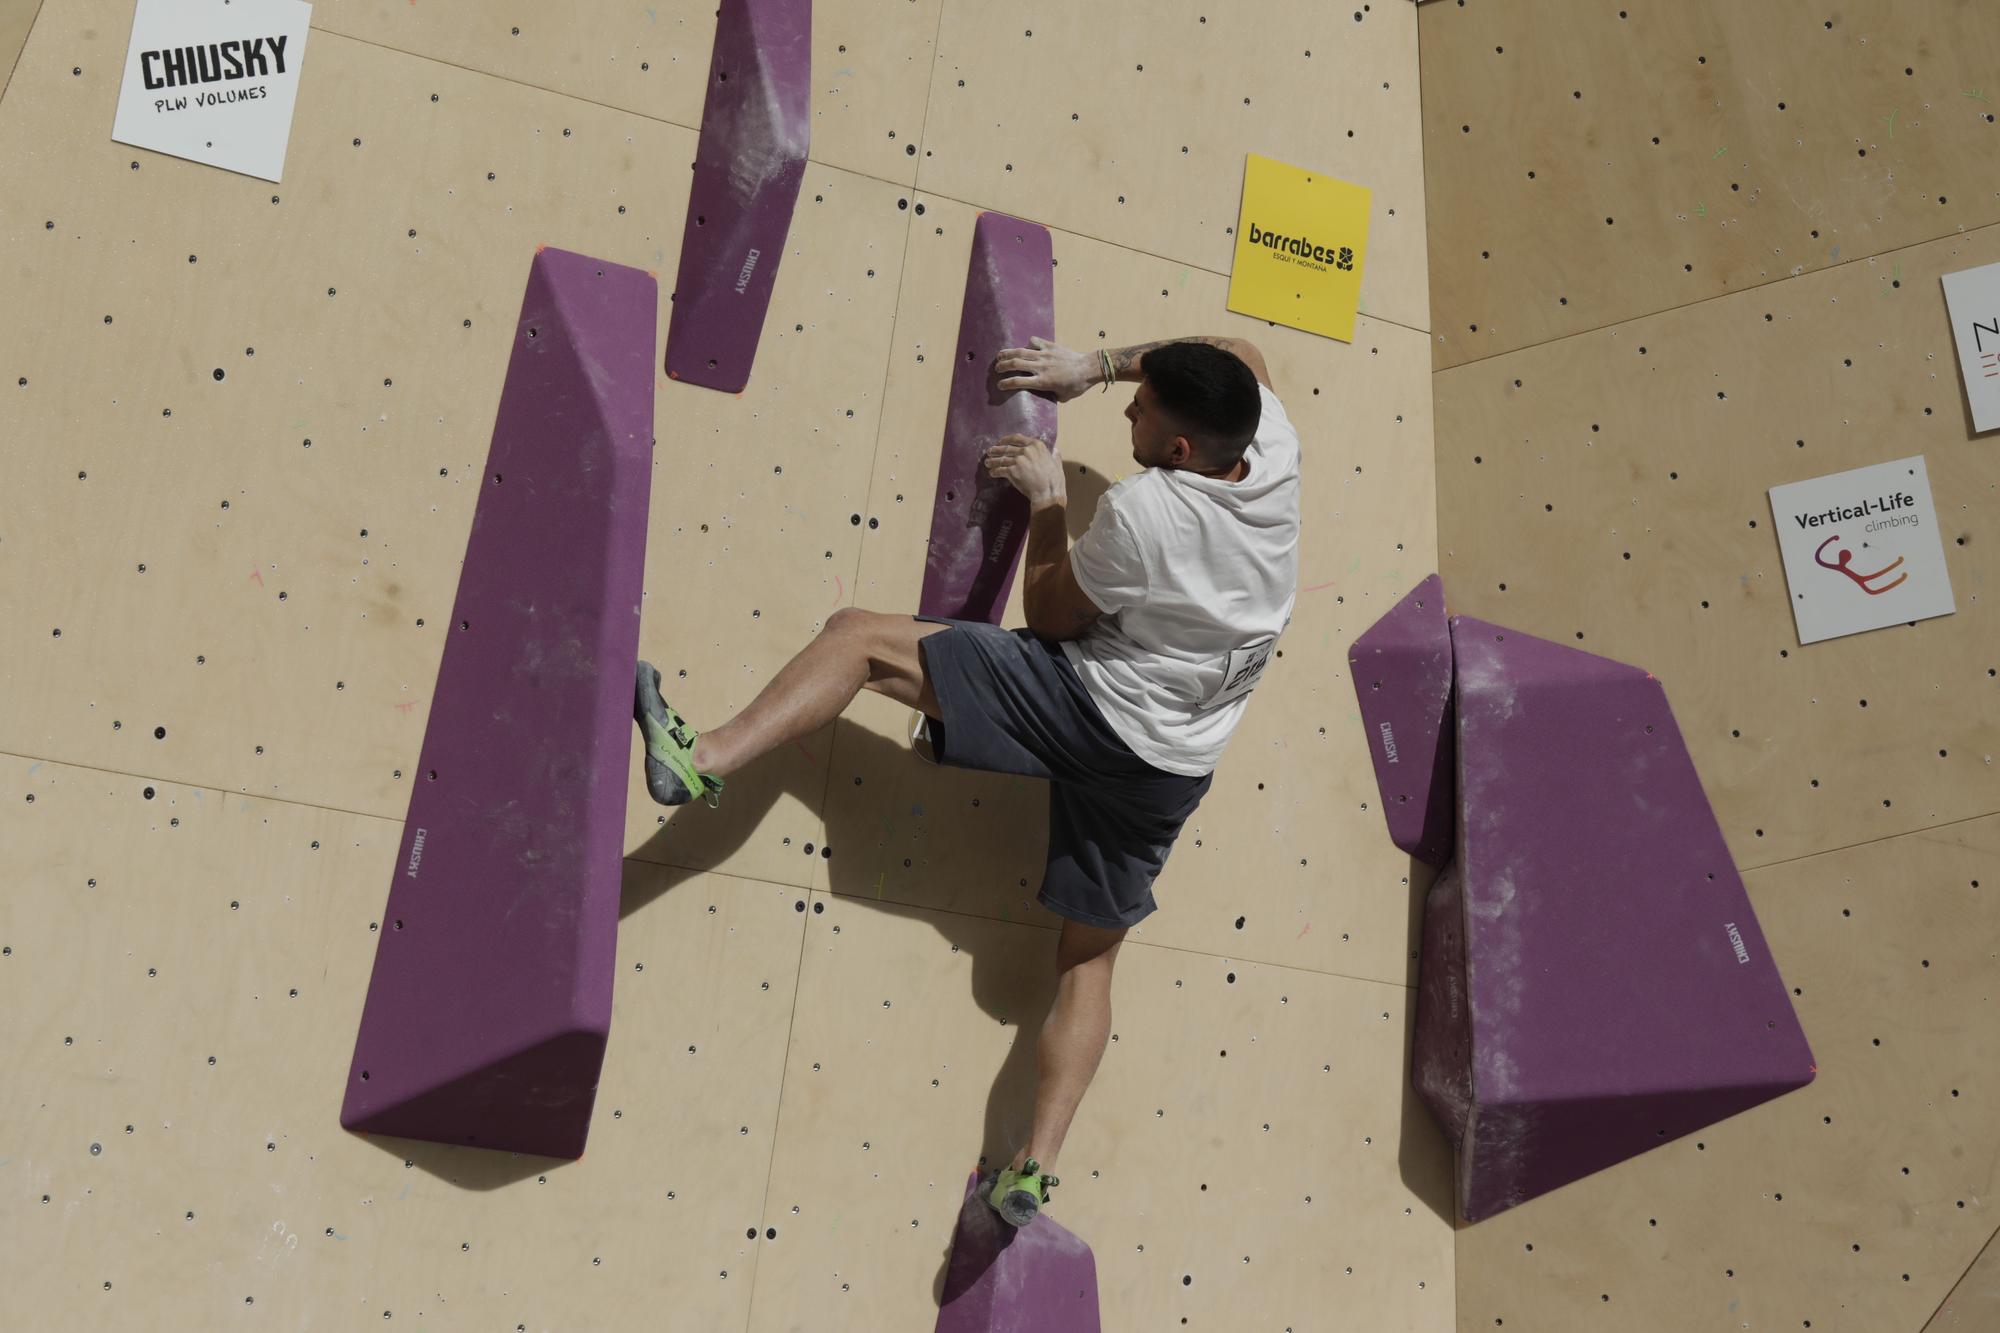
[[1125, 360]]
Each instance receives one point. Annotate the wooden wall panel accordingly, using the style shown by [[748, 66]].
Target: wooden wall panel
[[16, 17], [871, 64], [211, 711], [183, 968], [1609, 491], [330, 324], [1594, 161], [1666, 328], [1248, 1154], [1134, 131], [1975, 1302]]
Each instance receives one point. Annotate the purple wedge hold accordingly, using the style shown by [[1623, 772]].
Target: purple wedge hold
[[1037, 1279], [756, 126], [978, 521], [490, 1000]]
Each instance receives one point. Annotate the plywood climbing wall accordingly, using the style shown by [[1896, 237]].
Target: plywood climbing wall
[[242, 427], [1681, 254]]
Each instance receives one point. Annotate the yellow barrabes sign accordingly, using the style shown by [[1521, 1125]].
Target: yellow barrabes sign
[[1301, 241]]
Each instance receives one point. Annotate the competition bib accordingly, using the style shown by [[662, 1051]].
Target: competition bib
[[1241, 674]]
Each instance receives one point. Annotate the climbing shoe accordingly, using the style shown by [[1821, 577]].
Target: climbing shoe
[[670, 772], [1018, 1195]]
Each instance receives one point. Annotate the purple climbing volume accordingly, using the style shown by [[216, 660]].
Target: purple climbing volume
[[978, 521], [1594, 983], [755, 128], [490, 1000]]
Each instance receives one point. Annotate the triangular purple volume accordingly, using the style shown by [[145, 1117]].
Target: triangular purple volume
[[1402, 680], [1037, 1279], [1594, 982], [979, 521], [490, 999], [756, 126]]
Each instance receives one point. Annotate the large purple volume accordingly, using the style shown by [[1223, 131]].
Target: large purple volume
[[1038, 1279], [1592, 953], [755, 128], [490, 1000], [978, 521]]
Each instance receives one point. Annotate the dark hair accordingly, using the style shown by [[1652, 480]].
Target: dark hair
[[1211, 394]]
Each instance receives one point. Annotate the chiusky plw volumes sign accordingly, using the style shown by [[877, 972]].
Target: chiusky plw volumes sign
[[1861, 550], [214, 82]]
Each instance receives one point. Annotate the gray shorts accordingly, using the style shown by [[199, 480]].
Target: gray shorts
[[1012, 703]]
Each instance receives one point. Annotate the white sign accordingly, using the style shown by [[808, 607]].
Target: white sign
[[1861, 550], [214, 82], [1973, 297]]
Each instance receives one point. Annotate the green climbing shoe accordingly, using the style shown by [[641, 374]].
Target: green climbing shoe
[[670, 771], [1018, 1195]]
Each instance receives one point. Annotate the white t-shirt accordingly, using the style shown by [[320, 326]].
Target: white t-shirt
[[1196, 578]]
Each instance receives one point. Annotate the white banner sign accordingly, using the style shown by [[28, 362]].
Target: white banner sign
[[214, 82], [1973, 297], [1861, 550]]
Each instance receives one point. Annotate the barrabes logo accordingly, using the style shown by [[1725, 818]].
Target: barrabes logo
[[1303, 247]]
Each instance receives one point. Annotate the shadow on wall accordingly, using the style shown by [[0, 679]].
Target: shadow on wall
[[1002, 989]]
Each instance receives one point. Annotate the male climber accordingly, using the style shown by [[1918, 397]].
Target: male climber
[[1143, 643]]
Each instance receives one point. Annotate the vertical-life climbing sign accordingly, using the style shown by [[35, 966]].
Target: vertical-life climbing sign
[[1861, 550]]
